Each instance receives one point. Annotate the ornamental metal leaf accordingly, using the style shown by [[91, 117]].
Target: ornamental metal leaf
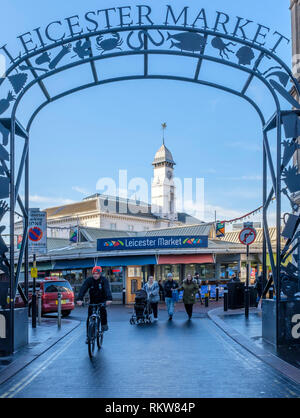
[[290, 226], [5, 103], [291, 124], [5, 136], [290, 147], [291, 178]]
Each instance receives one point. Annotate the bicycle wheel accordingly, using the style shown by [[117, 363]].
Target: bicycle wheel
[[99, 336], [92, 337]]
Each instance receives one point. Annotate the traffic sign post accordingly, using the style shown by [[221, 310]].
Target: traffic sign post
[[247, 237], [33, 299], [37, 232]]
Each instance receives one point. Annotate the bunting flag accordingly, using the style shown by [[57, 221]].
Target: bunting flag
[[220, 229], [19, 241], [74, 235]]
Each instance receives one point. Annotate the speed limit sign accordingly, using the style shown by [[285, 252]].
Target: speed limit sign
[[247, 236]]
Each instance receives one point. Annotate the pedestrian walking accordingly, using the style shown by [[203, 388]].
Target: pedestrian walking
[[258, 285], [169, 287], [235, 278], [198, 281], [152, 289], [190, 289], [161, 291]]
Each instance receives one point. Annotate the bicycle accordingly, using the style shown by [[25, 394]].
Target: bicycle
[[94, 332]]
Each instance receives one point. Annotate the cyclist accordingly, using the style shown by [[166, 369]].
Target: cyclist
[[99, 290]]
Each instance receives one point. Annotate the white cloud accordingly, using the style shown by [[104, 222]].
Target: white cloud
[[49, 201], [248, 178], [80, 190], [245, 145]]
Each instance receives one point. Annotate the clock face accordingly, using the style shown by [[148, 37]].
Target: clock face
[[169, 174]]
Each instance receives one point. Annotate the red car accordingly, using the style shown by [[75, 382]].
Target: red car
[[49, 288]]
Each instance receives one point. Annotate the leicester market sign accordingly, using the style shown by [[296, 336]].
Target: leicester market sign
[[148, 243], [141, 15]]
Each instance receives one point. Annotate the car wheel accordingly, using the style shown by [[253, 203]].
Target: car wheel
[[65, 313]]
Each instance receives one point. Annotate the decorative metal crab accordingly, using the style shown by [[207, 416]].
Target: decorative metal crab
[[109, 44]]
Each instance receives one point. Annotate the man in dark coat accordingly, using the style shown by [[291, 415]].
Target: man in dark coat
[[169, 287], [99, 290]]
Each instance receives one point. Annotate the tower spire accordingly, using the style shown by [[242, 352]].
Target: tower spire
[[164, 127]]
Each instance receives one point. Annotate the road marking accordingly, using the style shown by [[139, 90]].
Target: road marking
[[14, 390]]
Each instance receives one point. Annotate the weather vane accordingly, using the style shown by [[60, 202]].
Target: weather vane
[[164, 127]]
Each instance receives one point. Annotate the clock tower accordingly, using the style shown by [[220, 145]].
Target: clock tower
[[163, 190]]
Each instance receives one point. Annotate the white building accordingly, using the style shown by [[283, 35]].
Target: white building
[[116, 213]]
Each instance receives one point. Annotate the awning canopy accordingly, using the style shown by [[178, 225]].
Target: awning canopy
[[104, 262], [186, 259]]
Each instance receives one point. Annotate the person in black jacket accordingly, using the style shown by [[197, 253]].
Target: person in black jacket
[[99, 290]]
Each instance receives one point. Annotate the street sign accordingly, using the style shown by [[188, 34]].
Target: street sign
[[247, 236], [37, 232], [34, 273]]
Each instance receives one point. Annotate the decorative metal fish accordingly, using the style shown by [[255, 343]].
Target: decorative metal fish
[[187, 41]]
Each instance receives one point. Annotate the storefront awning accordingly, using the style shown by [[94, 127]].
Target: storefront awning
[[186, 259], [104, 262]]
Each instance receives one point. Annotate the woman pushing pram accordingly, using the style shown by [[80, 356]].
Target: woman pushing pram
[[146, 303]]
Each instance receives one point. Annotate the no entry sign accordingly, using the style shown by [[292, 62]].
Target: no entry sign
[[37, 232], [247, 236]]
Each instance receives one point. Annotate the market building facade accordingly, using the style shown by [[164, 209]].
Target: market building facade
[[179, 251]]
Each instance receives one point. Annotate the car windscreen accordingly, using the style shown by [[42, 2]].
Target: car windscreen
[[54, 287]]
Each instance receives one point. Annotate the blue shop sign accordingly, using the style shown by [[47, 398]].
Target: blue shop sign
[[152, 243]]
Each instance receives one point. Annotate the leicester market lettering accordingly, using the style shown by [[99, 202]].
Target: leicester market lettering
[[141, 15], [152, 243]]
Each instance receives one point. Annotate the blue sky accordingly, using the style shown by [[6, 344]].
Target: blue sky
[[93, 134]]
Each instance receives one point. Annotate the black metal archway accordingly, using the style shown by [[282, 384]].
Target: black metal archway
[[203, 45]]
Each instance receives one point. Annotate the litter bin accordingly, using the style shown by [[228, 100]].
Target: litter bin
[[236, 292], [253, 296]]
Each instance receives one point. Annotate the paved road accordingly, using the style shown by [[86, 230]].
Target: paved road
[[165, 359]]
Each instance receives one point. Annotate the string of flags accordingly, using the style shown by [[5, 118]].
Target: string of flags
[[220, 226]]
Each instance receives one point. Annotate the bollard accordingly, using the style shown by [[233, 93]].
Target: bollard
[[59, 310], [33, 310], [39, 308], [217, 294], [247, 301], [206, 300], [225, 298], [124, 296], [271, 293]]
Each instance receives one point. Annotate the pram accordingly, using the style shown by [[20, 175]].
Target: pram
[[142, 309]]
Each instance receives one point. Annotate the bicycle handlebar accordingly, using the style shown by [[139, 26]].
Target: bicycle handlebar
[[98, 304]]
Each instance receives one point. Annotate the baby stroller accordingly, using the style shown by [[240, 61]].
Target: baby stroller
[[142, 310]]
